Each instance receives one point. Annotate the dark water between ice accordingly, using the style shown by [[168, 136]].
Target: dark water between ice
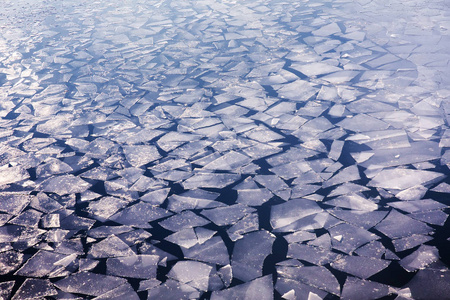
[[224, 149]]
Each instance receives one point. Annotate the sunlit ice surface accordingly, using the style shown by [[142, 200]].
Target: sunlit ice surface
[[224, 149]]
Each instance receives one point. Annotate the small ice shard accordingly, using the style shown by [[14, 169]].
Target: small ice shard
[[193, 273], [174, 139], [227, 215], [297, 289], [112, 246], [298, 90], [286, 213], [186, 219], [415, 152], [345, 175], [156, 197], [360, 266], [336, 149], [442, 188], [249, 254], [35, 289], [420, 258], [362, 219], [148, 284], [247, 224], [44, 203], [347, 238], [299, 236], [10, 261], [212, 251], [253, 197], [354, 202], [360, 289], [51, 167], [363, 123], [135, 266], [257, 289], [210, 180], [315, 255], [14, 203], [315, 68], [397, 225], [41, 264], [437, 217], [413, 193], [139, 214], [105, 231], [291, 170], [185, 238], [421, 205], [64, 184], [193, 199], [139, 155], [226, 275], [373, 249], [87, 283], [172, 289], [13, 175], [229, 161], [410, 242], [327, 30], [401, 179], [124, 291], [29, 217], [105, 207], [316, 276]]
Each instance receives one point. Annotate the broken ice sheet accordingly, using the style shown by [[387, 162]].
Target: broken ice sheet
[[353, 202], [361, 218], [87, 283], [112, 246], [211, 251], [135, 266], [138, 155], [314, 255], [35, 289], [400, 178], [346, 237], [398, 225], [420, 258], [227, 215], [284, 214], [210, 180], [41, 264], [172, 289], [247, 224], [257, 289], [410, 242], [193, 273], [15, 174], [359, 266], [65, 184], [360, 289], [315, 276], [249, 254], [139, 214], [253, 197]]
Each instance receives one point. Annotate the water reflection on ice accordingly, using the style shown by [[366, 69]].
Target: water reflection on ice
[[224, 150]]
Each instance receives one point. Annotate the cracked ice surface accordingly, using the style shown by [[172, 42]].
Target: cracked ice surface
[[221, 149]]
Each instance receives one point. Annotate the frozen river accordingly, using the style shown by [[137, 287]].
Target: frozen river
[[220, 149]]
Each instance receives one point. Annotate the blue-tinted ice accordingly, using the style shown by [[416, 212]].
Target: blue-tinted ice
[[154, 149]]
